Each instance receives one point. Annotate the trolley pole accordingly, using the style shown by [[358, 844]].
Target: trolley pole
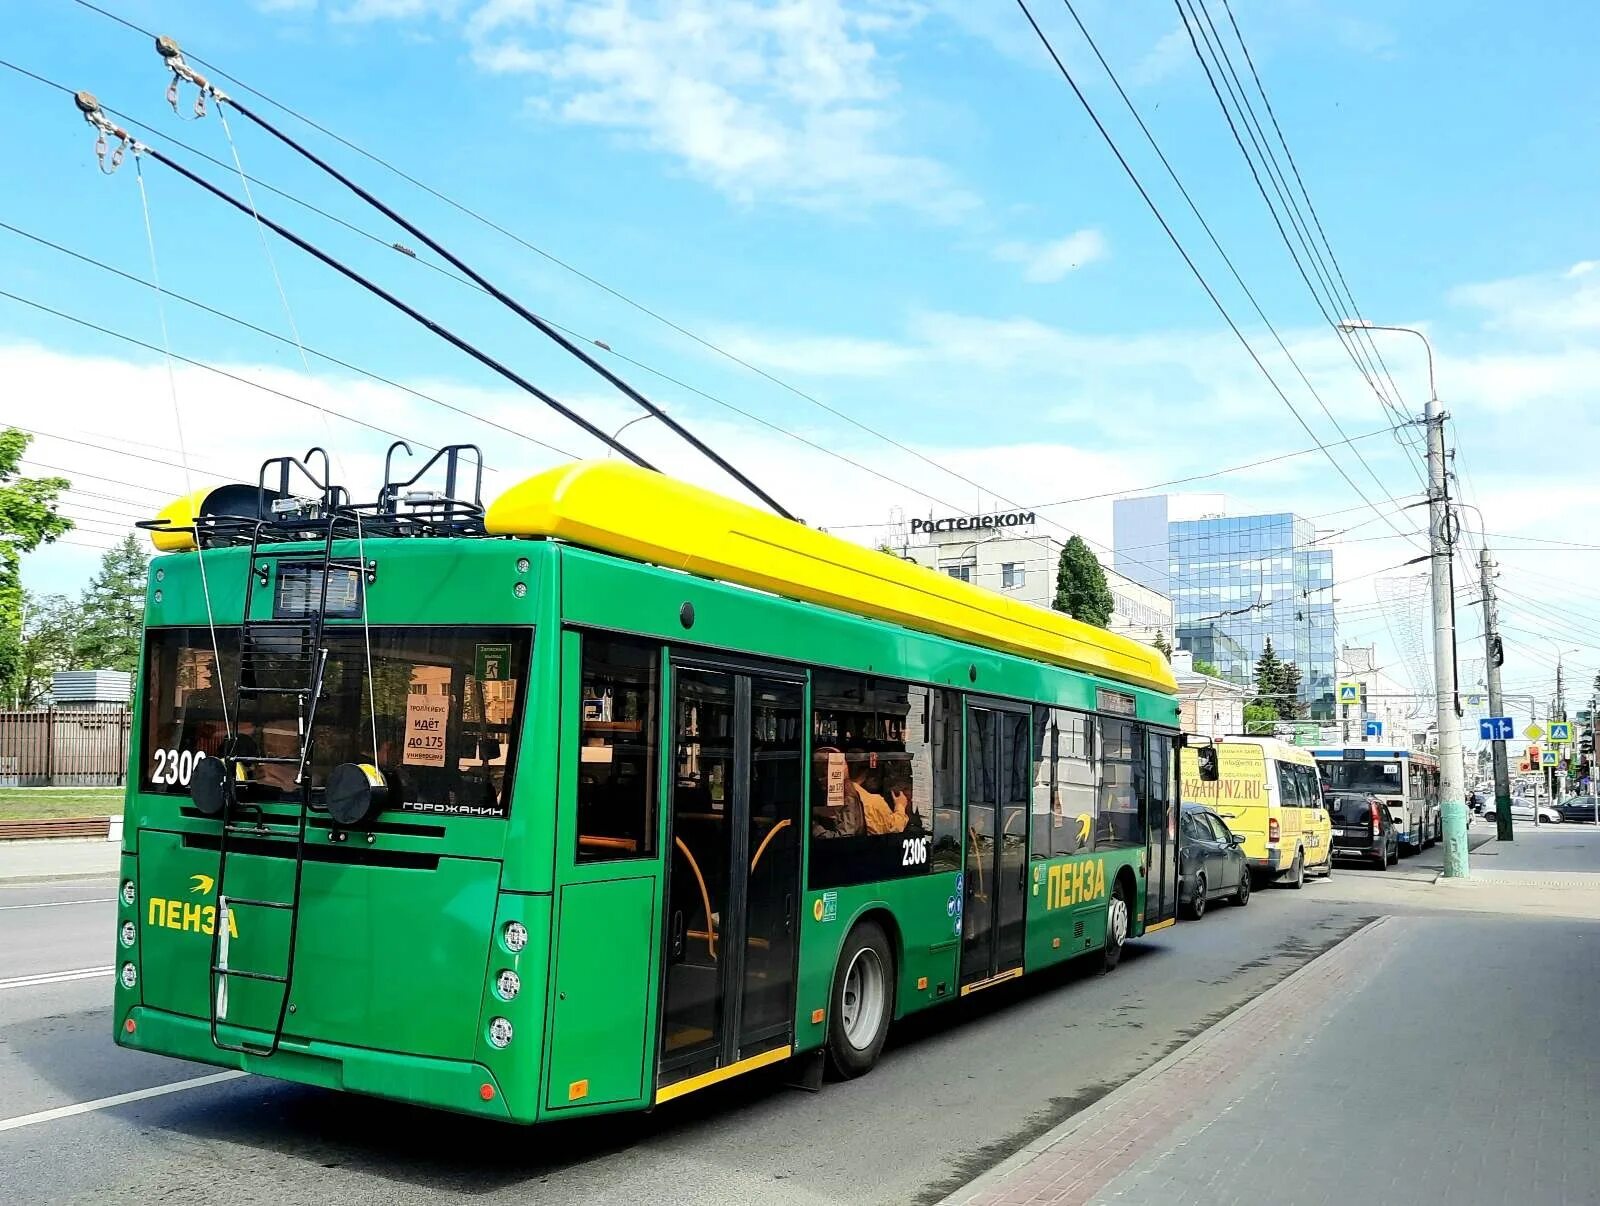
[[1494, 654], [1451, 790]]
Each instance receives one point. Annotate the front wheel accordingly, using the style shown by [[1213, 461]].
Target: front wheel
[[1116, 927], [863, 1001], [1197, 902]]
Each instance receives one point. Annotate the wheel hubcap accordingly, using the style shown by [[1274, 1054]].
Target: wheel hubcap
[[864, 997], [1117, 920]]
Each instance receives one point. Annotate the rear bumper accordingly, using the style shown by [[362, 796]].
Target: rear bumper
[[421, 1080], [1275, 860], [1374, 849]]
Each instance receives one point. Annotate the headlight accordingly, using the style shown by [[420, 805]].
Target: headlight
[[130, 975], [516, 936], [129, 893], [129, 933], [499, 1031], [508, 984]]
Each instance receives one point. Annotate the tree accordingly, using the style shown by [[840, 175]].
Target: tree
[[1164, 645], [1277, 685], [1259, 719], [51, 625], [28, 518], [113, 609], [1081, 589], [1201, 666]]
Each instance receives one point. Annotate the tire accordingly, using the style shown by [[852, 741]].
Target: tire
[[1297, 872], [1241, 894], [862, 1001], [1383, 859], [1196, 908], [1395, 860], [1117, 921]]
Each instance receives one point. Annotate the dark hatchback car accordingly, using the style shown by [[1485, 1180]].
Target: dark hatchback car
[[1577, 808], [1363, 829], [1211, 862]]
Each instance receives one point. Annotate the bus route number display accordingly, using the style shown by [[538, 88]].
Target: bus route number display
[[427, 716]]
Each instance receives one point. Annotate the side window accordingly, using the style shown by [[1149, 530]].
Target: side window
[[945, 730], [1309, 787], [1288, 785], [1122, 785], [1073, 789], [1219, 831], [1044, 815], [873, 796], [617, 777], [1160, 792]]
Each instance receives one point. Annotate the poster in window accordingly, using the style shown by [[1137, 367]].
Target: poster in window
[[427, 716]]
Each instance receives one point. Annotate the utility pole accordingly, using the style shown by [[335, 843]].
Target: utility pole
[[1494, 653], [1452, 793]]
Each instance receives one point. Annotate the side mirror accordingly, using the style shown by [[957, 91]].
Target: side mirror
[[1236, 839], [1206, 759]]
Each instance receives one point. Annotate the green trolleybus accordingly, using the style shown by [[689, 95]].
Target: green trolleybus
[[604, 793]]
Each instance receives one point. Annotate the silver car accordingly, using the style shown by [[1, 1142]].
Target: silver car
[[1522, 808]]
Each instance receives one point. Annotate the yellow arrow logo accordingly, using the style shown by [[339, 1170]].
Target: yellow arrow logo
[[1085, 823], [202, 883]]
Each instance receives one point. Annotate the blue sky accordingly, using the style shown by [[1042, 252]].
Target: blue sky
[[893, 205]]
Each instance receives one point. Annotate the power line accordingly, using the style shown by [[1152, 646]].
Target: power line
[[1247, 114], [1183, 252]]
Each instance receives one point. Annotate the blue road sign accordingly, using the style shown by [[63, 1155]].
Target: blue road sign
[[1374, 728], [1495, 728]]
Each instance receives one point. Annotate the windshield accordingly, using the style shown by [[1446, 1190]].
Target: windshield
[[447, 703], [1381, 777]]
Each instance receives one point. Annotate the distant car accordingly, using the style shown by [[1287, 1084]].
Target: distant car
[[1211, 862], [1522, 810], [1577, 808], [1363, 829]]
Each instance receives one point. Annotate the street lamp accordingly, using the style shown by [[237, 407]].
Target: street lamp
[[1451, 788]]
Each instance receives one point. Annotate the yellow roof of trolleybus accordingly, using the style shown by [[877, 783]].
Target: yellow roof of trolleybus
[[632, 512]]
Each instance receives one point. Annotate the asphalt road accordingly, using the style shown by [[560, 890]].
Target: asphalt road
[[957, 1090]]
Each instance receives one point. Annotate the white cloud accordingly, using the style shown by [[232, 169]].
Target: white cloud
[[1046, 263], [790, 100], [1539, 304], [1170, 55]]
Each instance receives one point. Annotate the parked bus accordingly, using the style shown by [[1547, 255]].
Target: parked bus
[[604, 794], [1406, 781], [1267, 791]]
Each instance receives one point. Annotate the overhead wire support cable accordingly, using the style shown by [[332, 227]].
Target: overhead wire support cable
[[1247, 116], [91, 107], [1294, 167], [1187, 258], [171, 54]]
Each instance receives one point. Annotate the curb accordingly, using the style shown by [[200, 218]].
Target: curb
[[8, 881], [1117, 1098]]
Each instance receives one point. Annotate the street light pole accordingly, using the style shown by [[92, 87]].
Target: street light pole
[[1451, 788]]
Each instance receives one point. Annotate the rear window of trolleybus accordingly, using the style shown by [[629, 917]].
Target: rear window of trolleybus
[[447, 702]]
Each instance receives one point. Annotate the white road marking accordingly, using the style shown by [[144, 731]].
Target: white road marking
[[103, 1103], [82, 973], [56, 904]]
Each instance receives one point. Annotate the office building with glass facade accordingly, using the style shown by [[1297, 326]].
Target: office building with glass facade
[[1238, 581]]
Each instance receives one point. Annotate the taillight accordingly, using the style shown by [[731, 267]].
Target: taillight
[[1272, 829], [1377, 819]]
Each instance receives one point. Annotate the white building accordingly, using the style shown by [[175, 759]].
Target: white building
[[1001, 552], [1404, 719], [1212, 707]]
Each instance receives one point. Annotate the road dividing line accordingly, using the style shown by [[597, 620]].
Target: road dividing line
[[105, 1103], [83, 973], [56, 904]]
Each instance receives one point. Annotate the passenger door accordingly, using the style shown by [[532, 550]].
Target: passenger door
[[994, 892], [733, 878], [1161, 832]]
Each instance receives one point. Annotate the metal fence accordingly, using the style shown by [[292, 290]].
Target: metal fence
[[64, 747]]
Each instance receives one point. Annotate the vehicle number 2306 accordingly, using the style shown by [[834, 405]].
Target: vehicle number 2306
[[175, 766], [913, 851]]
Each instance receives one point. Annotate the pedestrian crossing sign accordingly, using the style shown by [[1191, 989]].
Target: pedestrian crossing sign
[[1560, 731], [1548, 759], [1349, 693]]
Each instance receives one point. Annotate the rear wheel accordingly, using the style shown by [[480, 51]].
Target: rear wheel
[[863, 1001], [1241, 895], [1197, 902], [1116, 927], [1383, 859], [1297, 873]]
